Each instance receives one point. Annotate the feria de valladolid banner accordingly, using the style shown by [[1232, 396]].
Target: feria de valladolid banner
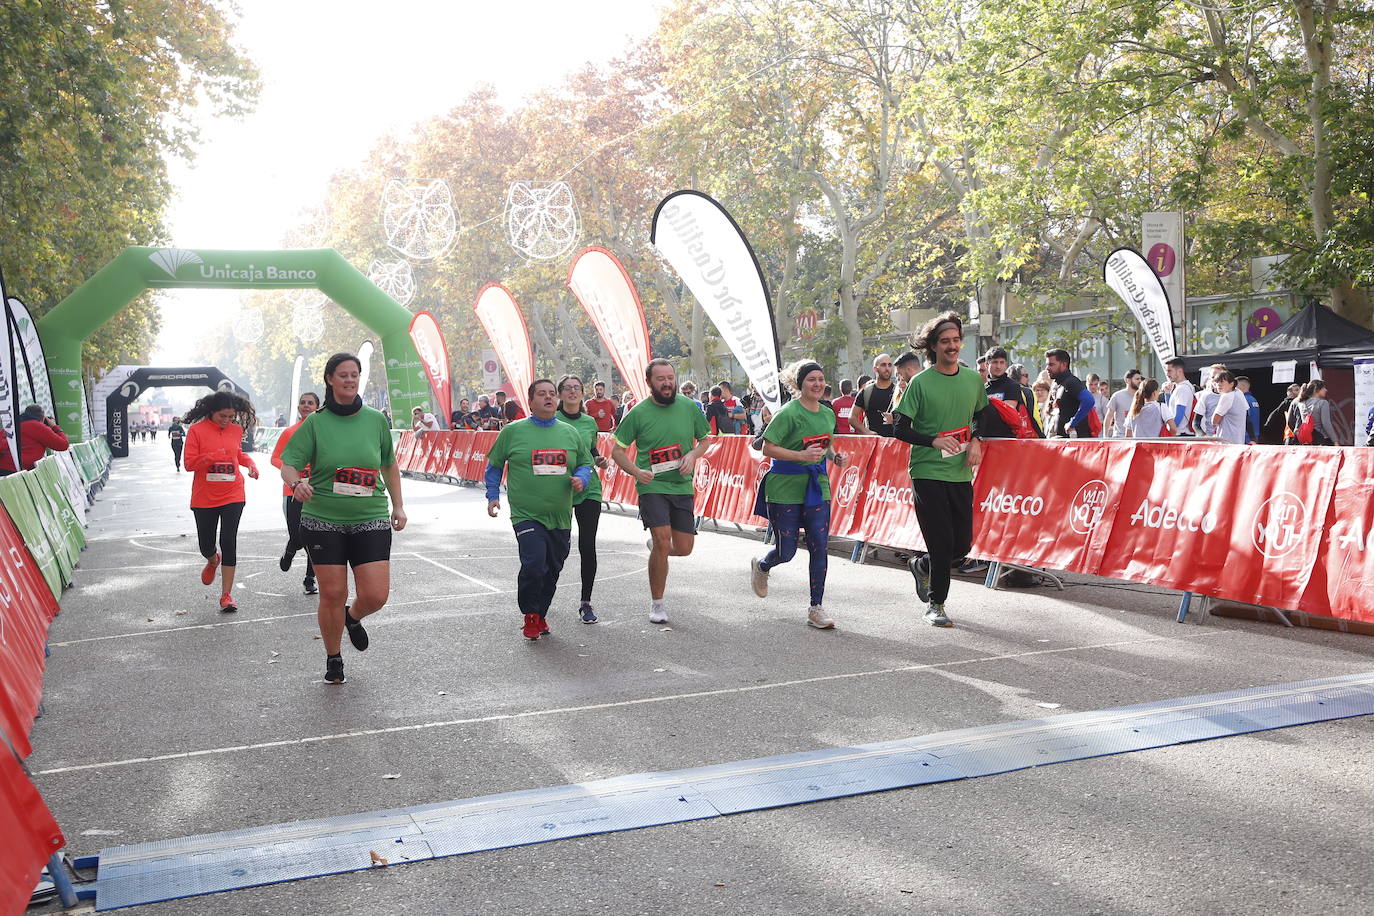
[[706, 247], [1130, 277], [603, 286], [500, 316]]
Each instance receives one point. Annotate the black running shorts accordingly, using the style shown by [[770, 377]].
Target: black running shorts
[[675, 509], [333, 544]]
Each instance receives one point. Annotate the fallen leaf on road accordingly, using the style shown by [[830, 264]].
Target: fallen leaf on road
[[179, 613], [391, 775], [276, 654], [659, 670], [376, 859], [149, 619]]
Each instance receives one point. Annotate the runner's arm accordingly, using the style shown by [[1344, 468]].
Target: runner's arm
[[1086, 405], [857, 424], [906, 433], [492, 479], [278, 449], [392, 472]]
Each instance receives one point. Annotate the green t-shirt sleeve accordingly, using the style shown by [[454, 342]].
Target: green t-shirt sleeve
[[300, 448], [700, 428], [910, 403], [627, 430], [584, 453], [388, 447], [500, 449], [780, 432]]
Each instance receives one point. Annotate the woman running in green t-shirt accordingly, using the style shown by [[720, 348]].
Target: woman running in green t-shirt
[[344, 521], [586, 504]]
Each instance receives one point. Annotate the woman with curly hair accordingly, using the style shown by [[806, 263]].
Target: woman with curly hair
[[795, 493], [214, 454]]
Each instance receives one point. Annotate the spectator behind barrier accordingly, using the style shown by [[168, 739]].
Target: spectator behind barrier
[[1002, 387], [38, 433], [1073, 404]]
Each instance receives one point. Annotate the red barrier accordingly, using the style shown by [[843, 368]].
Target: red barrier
[[31, 835], [1286, 527], [26, 608]]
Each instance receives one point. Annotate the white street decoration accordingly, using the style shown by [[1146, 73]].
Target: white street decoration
[[394, 277], [1130, 277], [707, 249], [418, 217], [365, 356], [296, 368], [248, 325], [541, 218], [314, 231], [307, 323]]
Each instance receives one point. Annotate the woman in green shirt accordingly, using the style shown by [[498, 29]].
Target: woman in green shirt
[[344, 521], [796, 488], [586, 504]]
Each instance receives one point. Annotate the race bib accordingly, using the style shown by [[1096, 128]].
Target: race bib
[[549, 462], [820, 442], [355, 481], [663, 460], [176, 435], [220, 472], [963, 434]]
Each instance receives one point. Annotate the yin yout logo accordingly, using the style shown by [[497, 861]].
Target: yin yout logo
[[849, 487], [1085, 512], [1279, 525], [702, 475]]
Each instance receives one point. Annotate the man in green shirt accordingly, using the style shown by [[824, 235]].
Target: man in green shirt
[[547, 463], [938, 417], [669, 433]]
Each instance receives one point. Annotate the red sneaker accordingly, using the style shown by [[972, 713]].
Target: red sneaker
[[207, 575], [533, 626], [226, 604], [543, 626]]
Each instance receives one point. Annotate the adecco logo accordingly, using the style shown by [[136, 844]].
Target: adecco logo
[[702, 475], [1002, 503], [882, 492], [848, 490], [1279, 525], [1166, 516], [1085, 512]]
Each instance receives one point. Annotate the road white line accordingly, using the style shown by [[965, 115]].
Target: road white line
[[271, 594], [188, 553], [258, 573], [596, 707], [461, 575], [162, 630]]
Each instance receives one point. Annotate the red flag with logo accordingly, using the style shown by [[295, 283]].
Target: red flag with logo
[[1342, 580], [847, 483], [429, 343], [603, 286], [500, 316]]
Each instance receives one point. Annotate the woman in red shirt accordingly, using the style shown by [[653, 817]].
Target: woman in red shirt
[[214, 454], [308, 404]]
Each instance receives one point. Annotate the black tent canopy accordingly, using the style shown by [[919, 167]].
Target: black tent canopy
[[1314, 335]]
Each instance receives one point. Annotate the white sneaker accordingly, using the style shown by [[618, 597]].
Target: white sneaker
[[758, 578], [818, 618], [658, 613]]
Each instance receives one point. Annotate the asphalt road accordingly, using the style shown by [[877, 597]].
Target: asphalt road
[[166, 719]]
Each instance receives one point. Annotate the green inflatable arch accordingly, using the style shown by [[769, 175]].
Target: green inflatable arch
[[136, 269]]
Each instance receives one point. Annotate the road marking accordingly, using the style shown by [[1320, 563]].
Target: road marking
[[461, 575], [597, 707]]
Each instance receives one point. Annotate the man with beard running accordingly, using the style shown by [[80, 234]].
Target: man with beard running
[[670, 434], [937, 415], [548, 464], [309, 403]]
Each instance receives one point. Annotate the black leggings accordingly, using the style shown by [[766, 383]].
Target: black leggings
[[944, 510], [227, 517], [176, 452], [292, 509], [588, 514]]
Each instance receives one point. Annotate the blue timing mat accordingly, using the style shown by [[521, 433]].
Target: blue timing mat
[[171, 869]]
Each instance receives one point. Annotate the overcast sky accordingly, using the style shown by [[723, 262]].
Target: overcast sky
[[338, 75]]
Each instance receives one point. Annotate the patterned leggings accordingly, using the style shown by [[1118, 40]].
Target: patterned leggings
[[787, 521]]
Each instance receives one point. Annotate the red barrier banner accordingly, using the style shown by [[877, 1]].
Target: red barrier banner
[[888, 516], [441, 444], [616, 485], [726, 478], [31, 834], [459, 452], [482, 441], [1240, 523], [1038, 503], [405, 448], [26, 608], [847, 483], [1342, 583]]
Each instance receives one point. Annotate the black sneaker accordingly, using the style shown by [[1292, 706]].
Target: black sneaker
[[333, 669], [287, 559], [356, 634], [309, 586], [920, 571], [586, 613]]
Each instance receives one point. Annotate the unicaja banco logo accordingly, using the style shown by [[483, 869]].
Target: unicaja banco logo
[[1085, 512], [172, 259], [1279, 525]]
